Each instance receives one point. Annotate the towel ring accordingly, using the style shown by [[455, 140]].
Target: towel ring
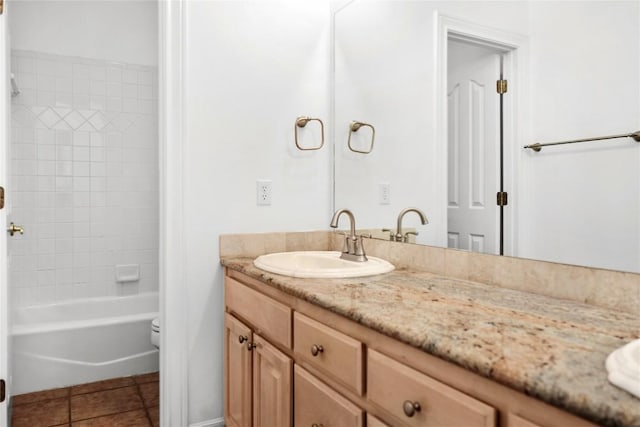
[[353, 127], [302, 122]]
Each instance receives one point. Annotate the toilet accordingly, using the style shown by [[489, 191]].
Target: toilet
[[155, 332]]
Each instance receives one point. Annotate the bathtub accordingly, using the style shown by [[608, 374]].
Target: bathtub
[[78, 342]]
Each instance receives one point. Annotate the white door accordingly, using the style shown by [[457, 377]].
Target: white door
[[4, 138], [473, 144]]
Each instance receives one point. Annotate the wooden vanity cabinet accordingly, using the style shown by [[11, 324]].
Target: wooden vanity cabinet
[[358, 375], [257, 379]]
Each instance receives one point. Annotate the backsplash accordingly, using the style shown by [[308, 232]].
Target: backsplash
[[604, 288], [83, 177]]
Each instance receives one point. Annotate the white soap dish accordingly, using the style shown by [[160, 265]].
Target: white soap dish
[[126, 273]]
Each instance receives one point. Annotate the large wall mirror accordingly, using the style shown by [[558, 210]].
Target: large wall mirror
[[419, 80]]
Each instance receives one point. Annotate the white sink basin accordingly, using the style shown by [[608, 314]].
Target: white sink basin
[[320, 264]]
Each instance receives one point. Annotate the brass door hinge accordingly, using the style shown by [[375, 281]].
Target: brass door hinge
[[501, 86], [2, 390], [1, 193], [502, 198]]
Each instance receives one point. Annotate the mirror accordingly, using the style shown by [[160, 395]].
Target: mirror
[[573, 71]]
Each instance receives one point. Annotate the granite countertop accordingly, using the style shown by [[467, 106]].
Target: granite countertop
[[548, 348]]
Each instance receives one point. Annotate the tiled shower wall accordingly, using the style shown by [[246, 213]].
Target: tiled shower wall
[[84, 178]]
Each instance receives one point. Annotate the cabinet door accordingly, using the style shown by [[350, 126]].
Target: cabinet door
[[237, 359], [316, 404], [271, 386]]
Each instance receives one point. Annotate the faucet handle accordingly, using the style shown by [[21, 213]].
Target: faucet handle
[[367, 235], [405, 239], [358, 249], [345, 245], [392, 234]]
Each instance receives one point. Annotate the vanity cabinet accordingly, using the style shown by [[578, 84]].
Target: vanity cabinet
[[257, 375], [257, 379], [290, 361]]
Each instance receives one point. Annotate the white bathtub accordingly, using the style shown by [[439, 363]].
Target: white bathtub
[[82, 341]]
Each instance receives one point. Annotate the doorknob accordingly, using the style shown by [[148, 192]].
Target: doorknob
[[13, 229]]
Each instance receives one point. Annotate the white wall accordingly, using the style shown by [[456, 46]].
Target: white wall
[[578, 204], [251, 69], [581, 203], [122, 31]]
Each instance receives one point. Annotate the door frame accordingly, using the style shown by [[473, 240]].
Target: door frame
[[5, 101], [516, 48], [174, 344], [172, 274]]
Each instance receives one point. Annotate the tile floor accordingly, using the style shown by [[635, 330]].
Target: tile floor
[[119, 402]]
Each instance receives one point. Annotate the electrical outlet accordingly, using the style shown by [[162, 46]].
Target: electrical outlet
[[263, 192], [384, 193]]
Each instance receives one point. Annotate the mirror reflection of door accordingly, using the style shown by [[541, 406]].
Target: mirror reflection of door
[[473, 147]]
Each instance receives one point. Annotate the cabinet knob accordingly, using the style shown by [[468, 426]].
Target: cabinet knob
[[316, 425], [410, 408], [251, 346], [242, 339], [316, 349]]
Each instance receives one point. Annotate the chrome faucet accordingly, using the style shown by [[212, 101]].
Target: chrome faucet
[[399, 236], [352, 249]]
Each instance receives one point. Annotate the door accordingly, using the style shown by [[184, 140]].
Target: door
[[4, 138], [271, 386], [237, 359], [473, 144]]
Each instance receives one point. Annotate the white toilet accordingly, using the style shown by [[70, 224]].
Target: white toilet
[[155, 332]]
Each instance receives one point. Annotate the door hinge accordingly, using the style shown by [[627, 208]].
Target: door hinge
[[1, 193], [1, 6], [501, 86], [2, 387], [502, 198]]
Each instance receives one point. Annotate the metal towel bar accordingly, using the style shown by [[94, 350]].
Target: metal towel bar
[[538, 147], [353, 127], [302, 122]]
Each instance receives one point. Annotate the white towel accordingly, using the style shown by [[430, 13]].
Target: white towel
[[623, 366]]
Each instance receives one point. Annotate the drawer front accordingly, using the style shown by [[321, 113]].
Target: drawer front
[[336, 354], [517, 421], [317, 404], [392, 385], [267, 317], [374, 422]]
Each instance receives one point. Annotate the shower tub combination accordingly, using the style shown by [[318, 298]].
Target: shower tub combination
[[78, 342]]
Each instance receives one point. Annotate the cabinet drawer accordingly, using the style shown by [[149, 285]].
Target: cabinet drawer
[[374, 422], [267, 317], [391, 385], [336, 354], [317, 404], [517, 421]]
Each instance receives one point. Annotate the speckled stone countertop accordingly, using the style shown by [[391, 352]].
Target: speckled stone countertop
[[548, 348]]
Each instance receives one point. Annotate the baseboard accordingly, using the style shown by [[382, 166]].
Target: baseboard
[[217, 422]]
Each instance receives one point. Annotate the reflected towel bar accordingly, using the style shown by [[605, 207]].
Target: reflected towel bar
[[538, 147], [302, 122], [353, 127]]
